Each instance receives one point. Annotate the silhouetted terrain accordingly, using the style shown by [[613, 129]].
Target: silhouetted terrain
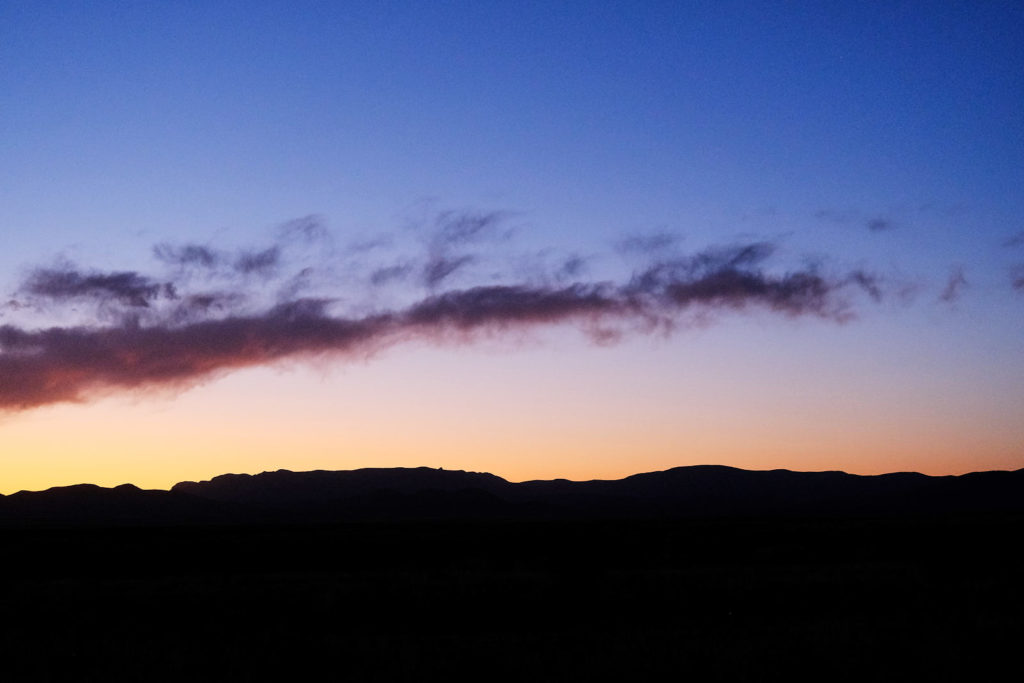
[[700, 573], [423, 493]]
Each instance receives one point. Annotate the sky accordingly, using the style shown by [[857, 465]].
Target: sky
[[550, 239]]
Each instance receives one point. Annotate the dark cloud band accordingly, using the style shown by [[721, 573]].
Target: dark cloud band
[[183, 337]]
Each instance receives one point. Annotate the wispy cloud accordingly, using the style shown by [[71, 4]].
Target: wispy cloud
[[873, 222], [261, 262], [955, 284], [450, 240], [1014, 240], [1016, 271], [68, 283], [179, 330], [648, 244], [1017, 277], [187, 255], [879, 223]]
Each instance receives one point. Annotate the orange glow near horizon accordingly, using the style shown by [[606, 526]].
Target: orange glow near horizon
[[531, 413], [330, 237]]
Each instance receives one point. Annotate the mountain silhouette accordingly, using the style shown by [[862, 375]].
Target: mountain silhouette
[[394, 574], [426, 493]]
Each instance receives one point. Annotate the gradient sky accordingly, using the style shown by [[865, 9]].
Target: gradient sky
[[876, 146]]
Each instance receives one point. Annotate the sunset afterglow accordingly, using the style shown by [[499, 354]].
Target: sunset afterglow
[[579, 241]]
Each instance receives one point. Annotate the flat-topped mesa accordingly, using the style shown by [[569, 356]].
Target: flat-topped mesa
[[284, 486]]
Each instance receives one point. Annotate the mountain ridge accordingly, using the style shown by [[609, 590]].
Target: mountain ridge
[[411, 493]]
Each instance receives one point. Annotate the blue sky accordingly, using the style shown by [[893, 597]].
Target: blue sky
[[593, 117], [887, 137]]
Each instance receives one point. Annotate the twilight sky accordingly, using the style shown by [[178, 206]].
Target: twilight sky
[[542, 239]]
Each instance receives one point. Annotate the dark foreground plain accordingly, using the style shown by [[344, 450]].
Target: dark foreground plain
[[473, 590]]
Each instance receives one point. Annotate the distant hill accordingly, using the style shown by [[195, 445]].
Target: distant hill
[[425, 493]]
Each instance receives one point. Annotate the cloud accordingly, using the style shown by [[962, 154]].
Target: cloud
[[261, 262], [308, 229], [438, 269], [67, 364], [308, 232], [689, 268], [454, 229], [954, 285], [877, 223], [67, 282], [187, 255], [794, 293], [1017, 278], [649, 244], [1014, 241], [203, 306], [732, 277], [571, 267], [386, 274], [361, 246], [867, 282], [175, 333], [505, 306], [450, 237]]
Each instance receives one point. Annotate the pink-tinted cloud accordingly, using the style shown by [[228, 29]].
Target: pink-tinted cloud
[[159, 333]]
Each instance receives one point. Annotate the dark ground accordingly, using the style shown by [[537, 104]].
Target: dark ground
[[886, 599]]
